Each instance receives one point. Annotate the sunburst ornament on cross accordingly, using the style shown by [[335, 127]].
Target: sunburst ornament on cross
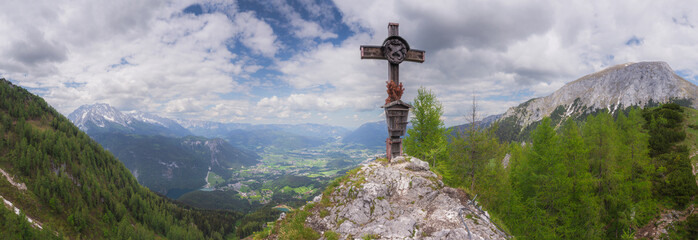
[[395, 49]]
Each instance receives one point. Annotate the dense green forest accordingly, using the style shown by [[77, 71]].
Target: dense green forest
[[76, 189], [602, 177]]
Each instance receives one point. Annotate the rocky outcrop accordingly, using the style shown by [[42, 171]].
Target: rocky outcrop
[[617, 87], [399, 200], [658, 228]]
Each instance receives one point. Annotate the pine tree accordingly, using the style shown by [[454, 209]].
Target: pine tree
[[427, 138], [580, 218]]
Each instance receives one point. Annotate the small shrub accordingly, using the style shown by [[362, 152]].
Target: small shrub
[[371, 236], [691, 225], [330, 235], [295, 228], [324, 213]]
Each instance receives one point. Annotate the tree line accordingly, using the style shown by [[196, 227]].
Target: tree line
[[603, 177]]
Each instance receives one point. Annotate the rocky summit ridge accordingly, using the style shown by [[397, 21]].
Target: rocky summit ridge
[[398, 200], [617, 87]]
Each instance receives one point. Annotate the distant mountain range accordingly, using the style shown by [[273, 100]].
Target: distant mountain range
[[260, 137], [481, 124], [101, 117], [614, 89], [166, 156], [371, 134], [224, 130]]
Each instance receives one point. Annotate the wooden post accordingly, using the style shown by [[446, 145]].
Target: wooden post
[[393, 68]]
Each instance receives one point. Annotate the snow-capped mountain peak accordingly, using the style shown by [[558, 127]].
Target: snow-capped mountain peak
[[153, 119], [100, 114], [102, 117]]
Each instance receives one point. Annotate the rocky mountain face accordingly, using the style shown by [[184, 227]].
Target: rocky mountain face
[[612, 89], [101, 117], [167, 123], [399, 200]]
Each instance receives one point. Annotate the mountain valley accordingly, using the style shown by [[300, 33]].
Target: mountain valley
[[239, 161]]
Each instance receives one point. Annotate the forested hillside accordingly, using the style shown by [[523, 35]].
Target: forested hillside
[[604, 177], [76, 189]]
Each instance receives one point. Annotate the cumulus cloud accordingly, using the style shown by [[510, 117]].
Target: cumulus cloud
[[227, 63], [256, 34], [149, 57], [507, 52]]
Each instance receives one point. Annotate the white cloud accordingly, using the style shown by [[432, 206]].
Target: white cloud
[[134, 55], [256, 34], [509, 51], [149, 56]]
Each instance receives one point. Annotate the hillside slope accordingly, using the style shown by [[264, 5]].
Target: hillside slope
[[67, 183], [164, 163]]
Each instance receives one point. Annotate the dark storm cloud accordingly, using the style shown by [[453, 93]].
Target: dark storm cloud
[[491, 25], [35, 48]]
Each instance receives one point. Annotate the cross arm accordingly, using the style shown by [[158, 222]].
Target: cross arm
[[376, 52], [414, 55], [371, 52]]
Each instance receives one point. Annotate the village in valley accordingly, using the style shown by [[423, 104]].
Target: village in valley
[[300, 174]]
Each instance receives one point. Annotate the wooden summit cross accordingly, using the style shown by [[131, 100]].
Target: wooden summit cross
[[396, 50]]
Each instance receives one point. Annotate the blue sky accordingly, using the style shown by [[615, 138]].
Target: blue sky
[[297, 61]]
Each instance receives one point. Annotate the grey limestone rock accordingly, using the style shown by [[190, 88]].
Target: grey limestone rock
[[620, 86], [398, 200]]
